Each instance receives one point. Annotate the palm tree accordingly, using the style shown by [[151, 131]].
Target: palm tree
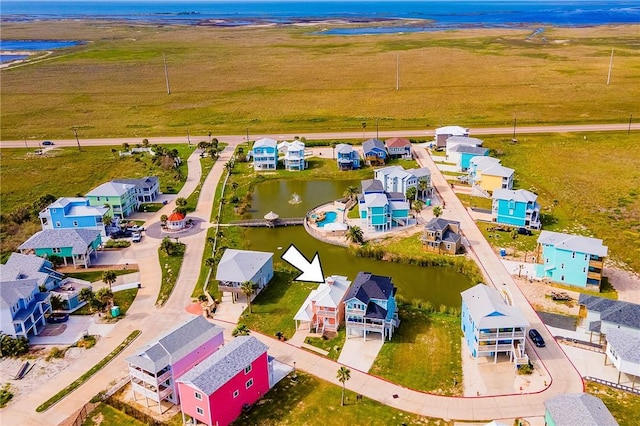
[[411, 194], [417, 206], [180, 210], [105, 296], [364, 126], [240, 330], [248, 289], [212, 241], [229, 166], [333, 150], [166, 245], [57, 303], [203, 145], [234, 186], [164, 219], [210, 262], [423, 186], [437, 211], [350, 192], [181, 202], [106, 220], [87, 295], [344, 374], [145, 143], [355, 235], [125, 146], [109, 277]]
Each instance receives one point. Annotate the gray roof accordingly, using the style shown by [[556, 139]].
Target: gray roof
[[265, 142], [470, 149], [12, 291], [465, 140], [451, 130], [421, 172], [145, 182], [368, 286], [440, 224], [576, 243], [521, 195], [614, 311], [221, 366], [344, 148], [369, 185], [175, 345], [28, 266], [626, 345], [579, 409], [77, 239], [241, 265], [489, 310], [373, 143], [110, 189]]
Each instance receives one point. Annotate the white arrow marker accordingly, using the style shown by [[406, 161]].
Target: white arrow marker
[[311, 271]]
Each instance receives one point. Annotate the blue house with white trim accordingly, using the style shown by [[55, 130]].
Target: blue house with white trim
[[381, 210], [516, 208], [570, 259], [464, 153], [74, 213], [370, 306], [265, 154], [375, 151], [347, 157]]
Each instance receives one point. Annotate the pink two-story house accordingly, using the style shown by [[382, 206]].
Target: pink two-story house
[[323, 309], [155, 368], [215, 391]]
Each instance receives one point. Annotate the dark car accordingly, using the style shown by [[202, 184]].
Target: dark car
[[47, 143], [57, 318], [121, 234], [536, 338], [524, 231]]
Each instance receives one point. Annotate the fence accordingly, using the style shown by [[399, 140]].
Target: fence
[[614, 385], [82, 415]]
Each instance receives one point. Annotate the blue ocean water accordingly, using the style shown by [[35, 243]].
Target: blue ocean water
[[35, 44], [444, 14], [11, 58]]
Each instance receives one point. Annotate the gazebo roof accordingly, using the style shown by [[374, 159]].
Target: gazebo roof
[[175, 216], [271, 216]]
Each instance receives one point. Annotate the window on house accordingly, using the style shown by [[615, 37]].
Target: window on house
[[236, 393], [562, 278], [249, 383], [58, 224], [573, 255], [198, 395], [585, 256], [75, 223], [200, 411], [562, 266], [56, 250], [584, 269], [247, 369]]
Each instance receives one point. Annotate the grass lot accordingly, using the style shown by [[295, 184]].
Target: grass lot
[[206, 164], [424, 353], [624, 406], [586, 184], [478, 202], [170, 264], [333, 346], [312, 401], [93, 276], [521, 244], [275, 306], [114, 86], [151, 207], [106, 415], [123, 299]]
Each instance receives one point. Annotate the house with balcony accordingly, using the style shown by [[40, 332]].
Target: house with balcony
[[462, 154], [22, 307], [265, 154], [370, 306], [572, 409], [442, 236], [293, 155], [75, 246], [323, 309], [598, 316], [29, 266], [397, 179], [74, 213], [623, 351], [454, 142], [570, 259], [146, 189], [239, 266], [399, 148], [216, 391], [444, 133], [154, 369], [347, 157], [516, 208], [487, 174], [119, 198], [381, 210], [492, 326], [375, 153]]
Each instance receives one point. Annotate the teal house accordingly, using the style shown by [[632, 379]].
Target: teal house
[[516, 208], [570, 259], [265, 154], [72, 245], [120, 198], [465, 153], [382, 210], [573, 409]]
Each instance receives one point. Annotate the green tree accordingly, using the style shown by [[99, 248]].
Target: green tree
[[228, 166], [210, 262], [145, 143], [240, 330], [57, 304], [234, 187], [203, 145], [181, 202], [333, 150], [163, 219], [87, 295], [248, 289], [13, 346], [55, 260], [106, 220], [417, 206], [125, 146], [514, 234], [344, 374], [355, 235], [411, 194], [437, 211], [350, 192], [180, 210], [105, 296], [423, 186], [166, 245], [109, 277]]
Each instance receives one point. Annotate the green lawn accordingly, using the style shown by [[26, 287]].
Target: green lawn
[[312, 401], [170, 264], [521, 244], [624, 406], [333, 346], [123, 299], [151, 207], [424, 353], [106, 415], [275, 306], [479, 202], [96, 275]]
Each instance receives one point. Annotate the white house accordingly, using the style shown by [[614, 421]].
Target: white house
[[239, 266], [397, 179], [444, 133], [293, 155], [455, 141]]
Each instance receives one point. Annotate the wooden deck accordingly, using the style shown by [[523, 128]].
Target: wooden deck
[[263, 223]]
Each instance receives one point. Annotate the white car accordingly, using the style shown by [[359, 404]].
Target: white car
[[136, 237], [136, 228]]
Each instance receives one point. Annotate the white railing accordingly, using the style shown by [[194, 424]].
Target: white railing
[[495, 348], [164, 377], [146, 392], [140, 375], [502, 335], [365, 325], [325, 313]]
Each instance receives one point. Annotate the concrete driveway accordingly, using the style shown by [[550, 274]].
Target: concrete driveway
[[65, 333], [359, 353]]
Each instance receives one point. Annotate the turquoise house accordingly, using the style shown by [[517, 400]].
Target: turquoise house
[[570, 259], [265, 154], [70, 213], [119, 198], [573, 409], [466, 153], [74, 245], [381, 210], [516, 208]]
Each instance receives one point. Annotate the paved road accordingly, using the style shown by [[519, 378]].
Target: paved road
[[236, 139]]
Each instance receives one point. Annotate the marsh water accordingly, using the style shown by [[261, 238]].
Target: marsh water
[[434, 284]]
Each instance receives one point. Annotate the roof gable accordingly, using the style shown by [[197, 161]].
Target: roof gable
[[241, 265], [575, 243], [77, 239], [110, 189], [489, 310], [579, 409], [398, 142]]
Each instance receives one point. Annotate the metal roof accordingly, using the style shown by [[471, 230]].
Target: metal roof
[[575, 243], [241, 265], [489, 310], [579, 409], [77, 239], [521, 195]]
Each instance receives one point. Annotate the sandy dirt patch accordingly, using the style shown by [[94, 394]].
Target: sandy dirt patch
[[626, 283], [539, 296]]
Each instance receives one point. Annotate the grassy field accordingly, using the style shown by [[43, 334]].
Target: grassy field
[[222, 78], [170, 263], [587, 184], [106, 415], [93, 276], [123, 299], [312, 401], [424, 353], [624, 406]]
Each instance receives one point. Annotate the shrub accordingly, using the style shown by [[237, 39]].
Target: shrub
[[13, 347], [55, 352], [525, 369], [5, 395]]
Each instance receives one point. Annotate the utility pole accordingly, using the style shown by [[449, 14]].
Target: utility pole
[[247, 135], [209, 137], [377, 129], [25, 142], [166, 73], [514, 128], [397, 71], [610, 66], [188, 138], [75, 132]]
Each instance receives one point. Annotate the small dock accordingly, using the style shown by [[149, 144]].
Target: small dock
[[263, 223]]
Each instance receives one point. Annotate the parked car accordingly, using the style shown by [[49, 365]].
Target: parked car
[[57, 318], [536, 338], [121, 234], [48, 143], [524, 231], [136, 237], [136, 228]]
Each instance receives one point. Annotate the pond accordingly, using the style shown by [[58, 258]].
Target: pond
[[434, 284]]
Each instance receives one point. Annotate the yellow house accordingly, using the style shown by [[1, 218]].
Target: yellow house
[[488, 174]]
